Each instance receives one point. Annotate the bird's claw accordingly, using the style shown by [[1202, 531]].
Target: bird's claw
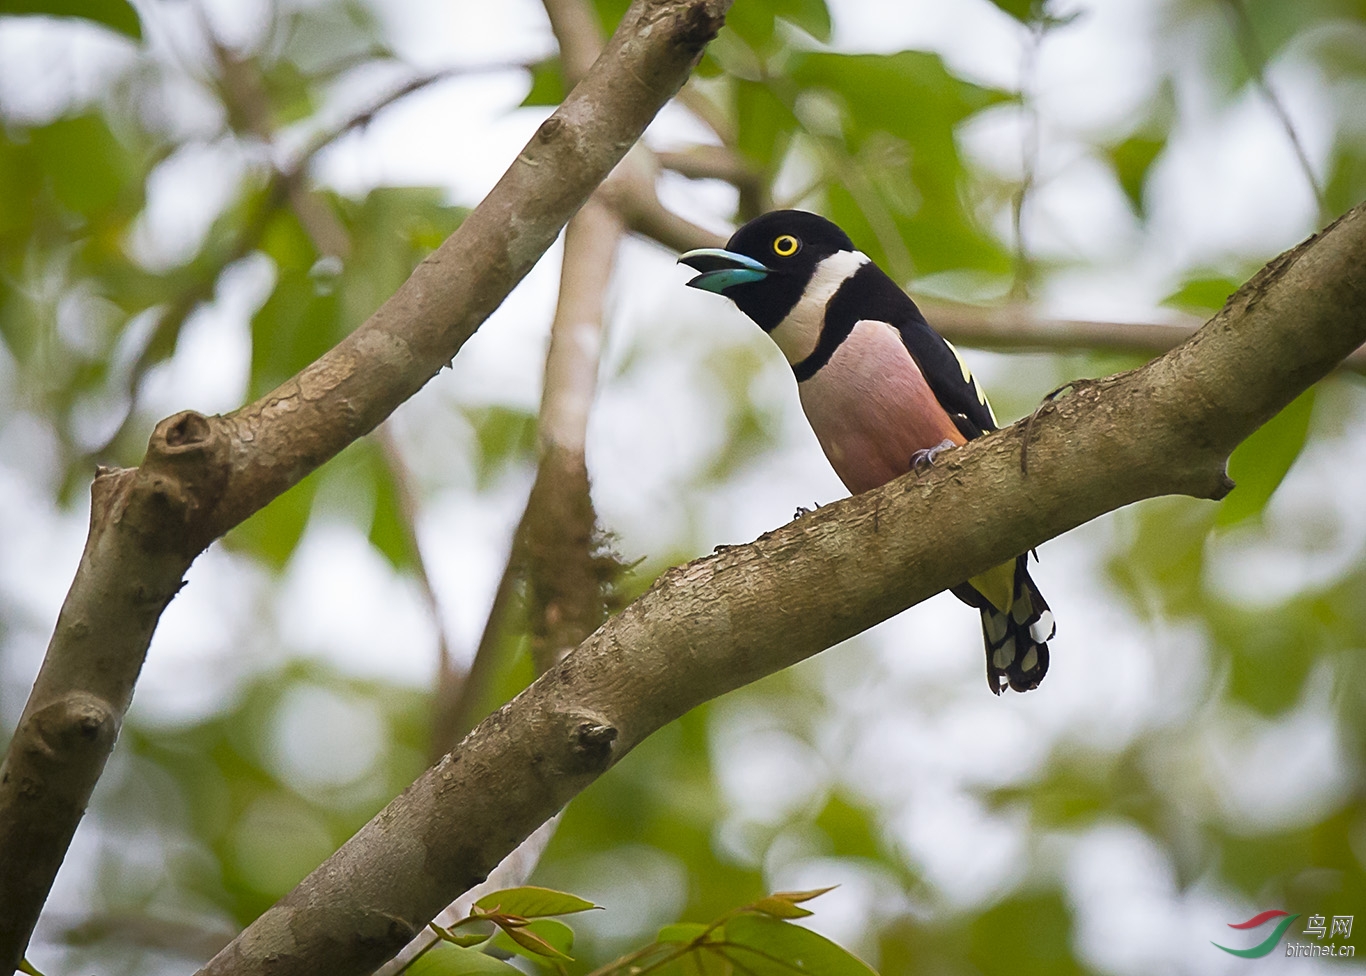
[[1074, 385], [923, 460], [803, 510]]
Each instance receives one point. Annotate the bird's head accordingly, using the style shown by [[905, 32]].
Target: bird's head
[[767, 263]]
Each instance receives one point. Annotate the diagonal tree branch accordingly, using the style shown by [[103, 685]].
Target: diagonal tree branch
[[722, 621], [203, 475]]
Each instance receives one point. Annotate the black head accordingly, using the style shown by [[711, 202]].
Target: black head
[[768, 262]]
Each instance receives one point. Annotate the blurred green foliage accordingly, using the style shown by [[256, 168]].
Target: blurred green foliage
[[117, 15], [84, 319]]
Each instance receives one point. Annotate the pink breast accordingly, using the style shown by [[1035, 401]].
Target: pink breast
[[871, 408]]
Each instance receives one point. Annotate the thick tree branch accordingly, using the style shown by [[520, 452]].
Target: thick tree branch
[[204, 475], [715, 624]]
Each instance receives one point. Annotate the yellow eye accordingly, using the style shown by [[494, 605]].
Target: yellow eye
[[786, 246]]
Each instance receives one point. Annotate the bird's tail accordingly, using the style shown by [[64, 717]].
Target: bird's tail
[[1016, 625]]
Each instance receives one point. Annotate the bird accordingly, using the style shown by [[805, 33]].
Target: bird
[[883, 391]]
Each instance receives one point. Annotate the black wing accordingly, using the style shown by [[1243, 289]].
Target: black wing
[[870, 294], [948, 375]]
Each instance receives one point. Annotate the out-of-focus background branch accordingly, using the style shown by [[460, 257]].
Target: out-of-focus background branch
[[186, 221]]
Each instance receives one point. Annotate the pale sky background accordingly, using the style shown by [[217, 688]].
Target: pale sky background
[[1227, 191]]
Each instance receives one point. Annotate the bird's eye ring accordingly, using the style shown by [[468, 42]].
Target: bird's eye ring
[[786, 245]]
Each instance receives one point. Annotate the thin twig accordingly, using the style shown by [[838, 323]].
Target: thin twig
[[1029, 158], [457, 713], [405, 492], [710, 163], [1254, 57]]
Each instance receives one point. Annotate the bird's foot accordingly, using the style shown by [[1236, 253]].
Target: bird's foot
[[803, 510], [922, 461]]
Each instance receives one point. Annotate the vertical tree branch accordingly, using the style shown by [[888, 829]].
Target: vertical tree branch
[[552, 548], [1029, 155], [555, 545], [447, 675], [566, 578]]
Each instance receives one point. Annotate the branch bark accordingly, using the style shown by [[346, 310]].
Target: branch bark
[[203, 475], [722, 621]]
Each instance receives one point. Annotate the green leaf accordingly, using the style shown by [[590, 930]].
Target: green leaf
[[778, 908], [850, 828], [1024, 11], [1203, 293], [117, 15], [506, 435], [547, 83], [876, 89], [455, 938], [28, 968], [544, 938], [533, 902], [756, 23], [1132, 159], [1027, 936], [1260, 463], [761, 945], [895, 178], [681, 932], [451, 960], [273, 533], [764, 124], [785, 904], [65, 150], [301, 318], [388, 533]]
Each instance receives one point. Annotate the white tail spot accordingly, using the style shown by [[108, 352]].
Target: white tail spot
[[1043, 628]]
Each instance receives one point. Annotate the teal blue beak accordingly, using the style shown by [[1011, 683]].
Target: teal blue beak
[[722, 269]]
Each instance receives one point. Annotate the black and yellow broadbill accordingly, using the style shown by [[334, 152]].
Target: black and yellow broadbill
[[883, 391]]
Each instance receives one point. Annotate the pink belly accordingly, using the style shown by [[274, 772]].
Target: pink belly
[[872, 410]]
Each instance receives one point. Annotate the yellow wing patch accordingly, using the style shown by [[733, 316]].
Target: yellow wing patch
[[997, 585], [971, 381]]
